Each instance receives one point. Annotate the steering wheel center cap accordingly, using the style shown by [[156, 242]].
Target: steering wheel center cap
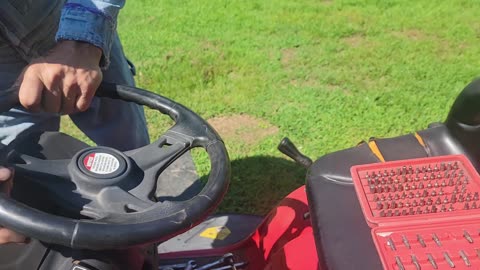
[[102, 163]]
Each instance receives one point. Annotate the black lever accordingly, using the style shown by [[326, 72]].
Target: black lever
[[288, 148]]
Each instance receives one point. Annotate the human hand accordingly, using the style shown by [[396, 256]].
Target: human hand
[[6, 235], [63, 81]]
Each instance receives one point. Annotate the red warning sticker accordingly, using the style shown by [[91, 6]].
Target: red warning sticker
[[101, 163]]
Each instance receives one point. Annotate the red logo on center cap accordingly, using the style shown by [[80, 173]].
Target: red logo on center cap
[[88, 161]]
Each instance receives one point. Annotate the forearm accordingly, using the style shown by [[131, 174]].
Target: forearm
[[92, 21]]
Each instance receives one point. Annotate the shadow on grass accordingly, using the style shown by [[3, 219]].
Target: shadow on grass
[[259, 183]]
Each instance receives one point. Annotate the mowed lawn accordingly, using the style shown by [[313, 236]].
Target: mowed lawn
[[327, 74]]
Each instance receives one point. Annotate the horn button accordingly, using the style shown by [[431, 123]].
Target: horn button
[[99, 167]]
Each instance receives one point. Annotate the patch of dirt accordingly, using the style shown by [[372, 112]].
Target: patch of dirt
[[355, 40], [288, 56], [335, 87], [213, 47], [412, 34], [209, 45], [242, 127], [309, 83]]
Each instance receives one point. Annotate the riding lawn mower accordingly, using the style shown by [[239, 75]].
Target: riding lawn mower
[[408, 202]]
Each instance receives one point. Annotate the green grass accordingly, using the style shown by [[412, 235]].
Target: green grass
[[328, 74]]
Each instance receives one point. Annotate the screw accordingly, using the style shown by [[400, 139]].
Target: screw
[[393, 204], [468, 236], [421, 241], [391, 244], [415, 262], [432, 261], [399, 263], [453, 199], [464, 258], [436, 240], [429, 201], [450, 182], [405, 241], [448, 259]]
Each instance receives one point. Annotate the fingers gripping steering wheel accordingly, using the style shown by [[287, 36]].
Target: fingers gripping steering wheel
[[114, 188]]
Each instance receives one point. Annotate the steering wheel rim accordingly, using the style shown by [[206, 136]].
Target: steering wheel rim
[[157, 223]]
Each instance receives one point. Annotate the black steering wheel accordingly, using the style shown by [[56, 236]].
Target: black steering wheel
[[115, 188]]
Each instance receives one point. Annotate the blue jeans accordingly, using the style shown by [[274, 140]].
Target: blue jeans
[[107, 122]]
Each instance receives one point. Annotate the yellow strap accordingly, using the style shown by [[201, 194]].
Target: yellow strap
[[376, 151], [374, 148], [419, 139]]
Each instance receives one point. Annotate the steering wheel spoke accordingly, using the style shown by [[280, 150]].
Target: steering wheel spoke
[[154, 158], [115, 202], [42, 171], [162, 152]]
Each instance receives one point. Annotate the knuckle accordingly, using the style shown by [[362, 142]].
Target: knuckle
[[83, 106], [29, 103]]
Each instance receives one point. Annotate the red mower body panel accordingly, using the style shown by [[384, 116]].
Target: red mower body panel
[[285, 239]]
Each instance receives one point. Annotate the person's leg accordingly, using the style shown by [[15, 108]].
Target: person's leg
[[115, 123]]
